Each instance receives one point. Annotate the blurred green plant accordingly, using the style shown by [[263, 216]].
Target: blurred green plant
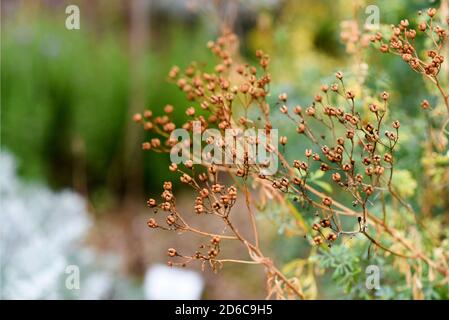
[[66, 94]]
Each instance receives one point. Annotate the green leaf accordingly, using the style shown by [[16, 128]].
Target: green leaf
[[324, 185], [316, 175]]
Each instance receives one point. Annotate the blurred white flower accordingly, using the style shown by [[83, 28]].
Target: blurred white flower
[[169, 283], [41, 234]]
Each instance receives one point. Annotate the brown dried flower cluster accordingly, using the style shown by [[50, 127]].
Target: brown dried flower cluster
[[402, 43], [355, 153], [213, 97]]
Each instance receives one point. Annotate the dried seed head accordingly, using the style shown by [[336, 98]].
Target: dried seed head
[[369, 171], [301, 128], [411, 34], [151, 203], [155, 142], [169, 127], [407, 57], [148, 126], [198, 200], [204, 193], [368, 190], [152, 223], [148, 114], [173, 167], [283, 97], [339, 75], [240, 172], [350, 95], [244, 88], [173, 72], [422, 26], [190, 111], [224, 200], [284, 109], [325, 223], [404, 23], [388, 158], [170, 220], [327, 201], [168, 108], [318, 240], [390, 135], [137, 117], [212, 253], [336, 177], [215, 240], [189, 164], [354, 120], [166, 206], [199, 208], [308, 153], [172, 252], [232, 191], [297, 164], [425, 104], [341, 141], [203, 177], [146, 146], [379, 170], [369, 127], [431, 12], [298, 110], [283, 140], [325, 149], [396, 124], [212, 169], [185, 178], [332, 237], [310, 111]]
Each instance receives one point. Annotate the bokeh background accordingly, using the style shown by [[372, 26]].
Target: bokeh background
[[74, 180]]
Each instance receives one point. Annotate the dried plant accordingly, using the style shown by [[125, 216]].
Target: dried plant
[[349, 140], [427, 62]]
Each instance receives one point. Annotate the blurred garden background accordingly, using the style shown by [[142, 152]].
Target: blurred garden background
[[74, 180]]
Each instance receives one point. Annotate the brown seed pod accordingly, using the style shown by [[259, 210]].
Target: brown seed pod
[[332, 237], [327, 201], [172, 252], [152, 223], [151, 203], [325, 223]]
